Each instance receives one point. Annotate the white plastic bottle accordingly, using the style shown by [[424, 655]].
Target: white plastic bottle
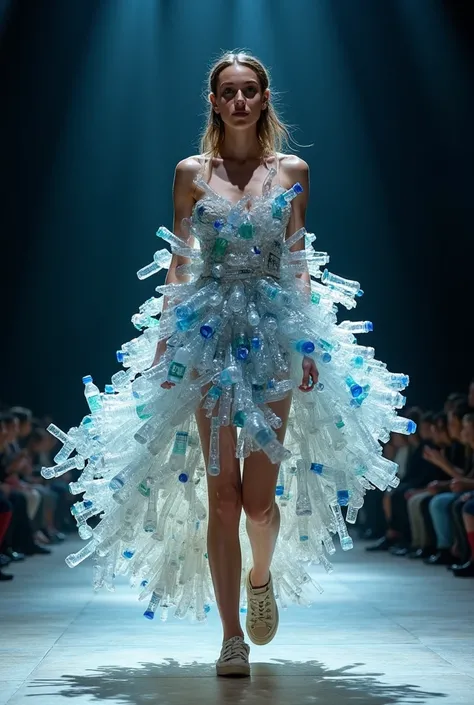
[[92, 395], [178, 365]]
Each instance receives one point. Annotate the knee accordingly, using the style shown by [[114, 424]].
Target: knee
[[225, 504], [438, 504], [260, 511]]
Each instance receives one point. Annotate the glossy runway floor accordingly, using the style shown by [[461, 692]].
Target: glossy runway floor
[[386, 630]]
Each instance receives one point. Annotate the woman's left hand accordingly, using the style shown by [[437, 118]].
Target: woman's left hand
[[310, 374]]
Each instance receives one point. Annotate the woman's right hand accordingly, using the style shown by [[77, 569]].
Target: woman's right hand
[[160, 350]]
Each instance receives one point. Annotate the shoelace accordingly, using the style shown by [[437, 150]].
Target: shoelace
[[261, 609], [233, 649]]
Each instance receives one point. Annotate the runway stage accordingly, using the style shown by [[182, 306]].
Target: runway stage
[[386, 630]]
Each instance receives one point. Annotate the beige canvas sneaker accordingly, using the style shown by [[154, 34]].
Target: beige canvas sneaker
[[262, 613], [234, 658]]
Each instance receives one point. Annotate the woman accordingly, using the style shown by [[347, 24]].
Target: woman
[[244, 336]]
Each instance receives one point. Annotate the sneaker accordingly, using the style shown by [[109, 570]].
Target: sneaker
[[234, 658], [262, 612]]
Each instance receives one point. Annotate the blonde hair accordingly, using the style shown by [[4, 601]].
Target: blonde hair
[[272, 132]]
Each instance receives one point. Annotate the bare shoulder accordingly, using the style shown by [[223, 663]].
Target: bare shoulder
[[188, 168], [185, 172], [293, 169], [293, 165]]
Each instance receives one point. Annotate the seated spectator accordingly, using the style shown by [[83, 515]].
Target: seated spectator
[[24, 498], [434, 432], [466, 569], [418, 474], [24, 418], [6, 512], [458, 467], [54, 494]]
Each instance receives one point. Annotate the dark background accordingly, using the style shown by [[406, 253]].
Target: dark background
[[101, 98]]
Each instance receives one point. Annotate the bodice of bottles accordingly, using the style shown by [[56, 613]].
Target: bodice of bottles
[[237, 330]]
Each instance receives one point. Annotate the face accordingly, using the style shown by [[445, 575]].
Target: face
[[454, 426], [467, 432], [12, 431], [24, 429], [439, 435], [239, 98]]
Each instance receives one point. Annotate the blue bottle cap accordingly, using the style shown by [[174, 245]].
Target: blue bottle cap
[[411, 426], [370, 326], [87, 379], [356, 390], [297, 188], [242, 352], [206, 331], [343, 497], [120, 355], [183, 477], [109, 389], [317, 468], [149, 614], [326, 357], [255, 342]]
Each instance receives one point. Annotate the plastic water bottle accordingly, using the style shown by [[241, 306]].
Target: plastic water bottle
[[178, 454], [355, 389], [273, 293], [178, 365], [213, 466], [265, 437], [402, 425], [280, 201], [305, 347], [92, 395], [357, 326]]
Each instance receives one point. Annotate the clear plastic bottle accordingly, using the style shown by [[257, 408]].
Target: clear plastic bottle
[[92, 395], [265, 437], [178, 365]]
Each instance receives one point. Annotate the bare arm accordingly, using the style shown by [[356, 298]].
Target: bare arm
[[183, 202], [434, 456], [297, 169]]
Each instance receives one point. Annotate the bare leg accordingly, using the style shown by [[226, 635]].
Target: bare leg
[[225, 508], [258, 496]]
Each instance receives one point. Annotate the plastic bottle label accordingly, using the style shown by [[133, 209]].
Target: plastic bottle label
[[176, 371], [95, 403], [273, 260], [180, 443]]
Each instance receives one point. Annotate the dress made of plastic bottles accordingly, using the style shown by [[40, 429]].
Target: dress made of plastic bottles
[[238, 326]]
